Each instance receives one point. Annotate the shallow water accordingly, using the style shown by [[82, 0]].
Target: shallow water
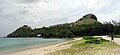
[[13, 44]]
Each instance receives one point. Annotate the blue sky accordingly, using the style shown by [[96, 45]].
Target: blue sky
[[38, 13]]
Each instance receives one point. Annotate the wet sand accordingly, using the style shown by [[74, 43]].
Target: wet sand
[[45, 50]]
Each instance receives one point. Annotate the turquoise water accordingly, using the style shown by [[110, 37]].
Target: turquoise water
[[13, 44]]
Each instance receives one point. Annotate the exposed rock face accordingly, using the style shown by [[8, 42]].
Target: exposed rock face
[[87, 19], [90, 16]]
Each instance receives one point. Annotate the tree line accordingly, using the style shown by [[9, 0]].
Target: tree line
[[69, 31]]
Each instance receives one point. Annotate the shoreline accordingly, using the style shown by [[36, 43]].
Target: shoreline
[[45, 49], [36, 38], [23, 49], [12, 45]]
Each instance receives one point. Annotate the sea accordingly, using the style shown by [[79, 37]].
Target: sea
[[8, 45]]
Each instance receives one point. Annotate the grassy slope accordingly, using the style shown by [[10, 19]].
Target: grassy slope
[[80, 48]]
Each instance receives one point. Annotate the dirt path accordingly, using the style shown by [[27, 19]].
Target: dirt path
[[116, 40]]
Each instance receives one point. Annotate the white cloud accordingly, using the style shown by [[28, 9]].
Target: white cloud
[[38, 13], [93, 3]]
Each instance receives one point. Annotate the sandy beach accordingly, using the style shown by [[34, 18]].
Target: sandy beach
[[45, 50], [53, 48]]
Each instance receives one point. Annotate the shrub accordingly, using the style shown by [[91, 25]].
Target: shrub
[[97, 41], [88, 37], [104, 40], [89, 41], [94, 40]]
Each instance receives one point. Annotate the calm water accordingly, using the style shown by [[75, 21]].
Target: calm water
[[13, 44]]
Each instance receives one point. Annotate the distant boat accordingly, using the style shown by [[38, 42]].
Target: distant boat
[[39, 35]]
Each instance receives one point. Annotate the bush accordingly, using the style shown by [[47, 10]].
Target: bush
[[89, 41], [88, 37], [94, 40], [97, 41]]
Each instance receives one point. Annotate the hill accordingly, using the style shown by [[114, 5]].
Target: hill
[[87, 25], [87, 19], [21, 32]]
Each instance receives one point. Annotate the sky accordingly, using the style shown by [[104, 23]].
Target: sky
[[39, 13]]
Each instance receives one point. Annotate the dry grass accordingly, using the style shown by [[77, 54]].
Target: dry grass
[[80, 48]]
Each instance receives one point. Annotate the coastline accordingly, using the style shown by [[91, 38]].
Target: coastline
[[46, 49]]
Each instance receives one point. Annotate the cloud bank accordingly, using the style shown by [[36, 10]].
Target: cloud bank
[[38, 13]]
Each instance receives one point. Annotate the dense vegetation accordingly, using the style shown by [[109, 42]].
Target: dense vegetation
[[24, 31], [86, 26]]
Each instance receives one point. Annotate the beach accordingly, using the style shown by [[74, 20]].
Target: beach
[[45, 50], [13, 45], [54, 48]]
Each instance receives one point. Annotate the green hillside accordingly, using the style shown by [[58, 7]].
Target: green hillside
[[85, 26], [23, 31]]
